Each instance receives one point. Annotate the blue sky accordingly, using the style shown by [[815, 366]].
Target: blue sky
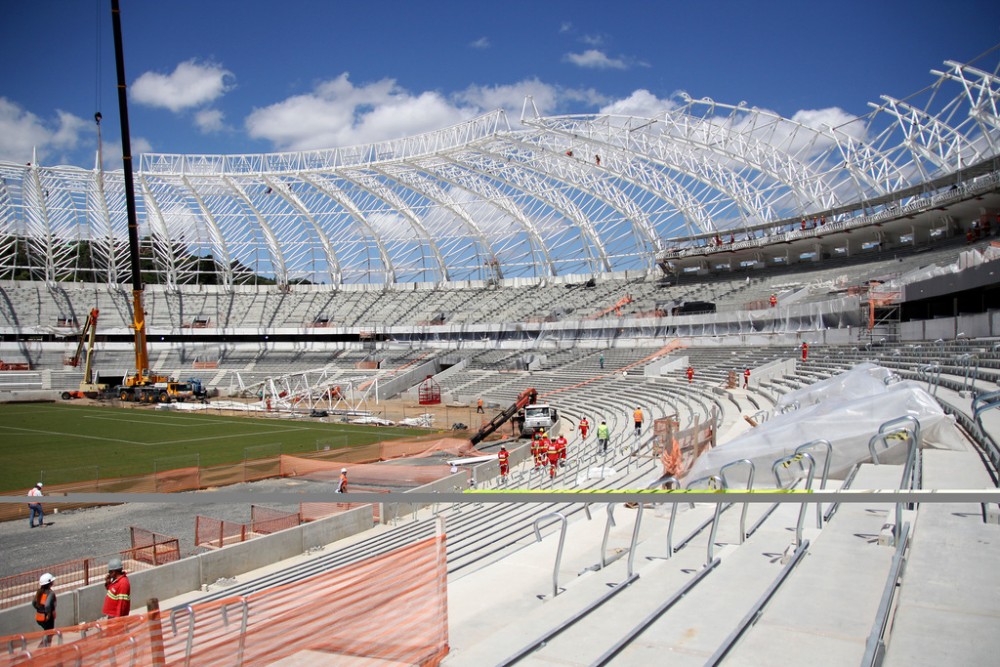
[[253, 76]]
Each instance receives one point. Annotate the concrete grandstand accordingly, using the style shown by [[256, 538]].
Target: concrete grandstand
[[567, 256]]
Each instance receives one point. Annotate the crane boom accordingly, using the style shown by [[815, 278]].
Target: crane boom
[[142, 375]]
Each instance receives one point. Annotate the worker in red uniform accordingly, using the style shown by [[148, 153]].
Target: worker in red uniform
[[118, 600], [773, 300], [746, 378], [805, 350], [561, 443], [504, 458], [536, 448], [584, 426], [552, 451], [690, 374]]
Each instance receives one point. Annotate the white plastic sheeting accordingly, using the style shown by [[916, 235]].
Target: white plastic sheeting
[[847, 410]]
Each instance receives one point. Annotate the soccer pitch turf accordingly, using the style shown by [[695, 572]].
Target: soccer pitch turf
[[61, 442]]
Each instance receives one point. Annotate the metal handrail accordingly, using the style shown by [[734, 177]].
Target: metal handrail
[[607, 529], [822, 442], [715, 482], [562, 541], [875, 646], [746, 505], [931, 374], [785, 462]]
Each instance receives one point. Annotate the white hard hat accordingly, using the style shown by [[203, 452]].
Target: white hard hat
[[39, 485], [45, 579], [115, 564], [343, 470]]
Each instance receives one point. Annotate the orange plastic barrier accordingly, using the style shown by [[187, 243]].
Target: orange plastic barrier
[[389, 609]]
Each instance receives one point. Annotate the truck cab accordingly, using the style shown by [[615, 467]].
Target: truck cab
[[539, 416]]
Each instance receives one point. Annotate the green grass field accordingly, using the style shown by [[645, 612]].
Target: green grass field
[[60, 442]]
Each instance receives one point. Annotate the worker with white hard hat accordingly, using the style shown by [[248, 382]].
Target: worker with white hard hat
[[118, 601], [342, 486], [45, 606], [35, 507]]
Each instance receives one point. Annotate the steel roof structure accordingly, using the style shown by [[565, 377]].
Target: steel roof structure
[[560, 195]]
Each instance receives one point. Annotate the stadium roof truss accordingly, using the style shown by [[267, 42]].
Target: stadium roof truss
[[560, 195]]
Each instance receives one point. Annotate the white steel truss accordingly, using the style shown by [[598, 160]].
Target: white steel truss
[[565, 195]]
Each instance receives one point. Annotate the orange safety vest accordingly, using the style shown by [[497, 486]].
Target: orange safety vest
[[40, 612], [637, 415]]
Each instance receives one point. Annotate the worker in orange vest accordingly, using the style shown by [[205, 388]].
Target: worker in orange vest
[[805, 350], [45, 606], [552, 450], [479, 407], [503, 457], [690, 374], [637, 419], [746, 378], [584, 426]]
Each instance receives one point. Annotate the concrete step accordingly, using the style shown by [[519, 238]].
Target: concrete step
[[829, 601]]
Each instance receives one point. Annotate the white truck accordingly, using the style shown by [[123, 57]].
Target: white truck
[[539, 417]]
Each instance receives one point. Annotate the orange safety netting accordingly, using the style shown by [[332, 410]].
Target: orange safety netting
[[389, 609], [251, 470], [363, 474]]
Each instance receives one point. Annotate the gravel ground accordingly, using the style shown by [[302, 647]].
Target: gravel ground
[[102, 531]]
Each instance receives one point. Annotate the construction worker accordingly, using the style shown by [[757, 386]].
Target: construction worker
[[342, 484], [584, 427], [774, 300], [503, 457], [690, 374], [746, 378], [805, 350], [603, 435], [552, 451], [600, 360], [118, 601], [637, 418], [541, 445], [35, 507], [561, 445], [479, 407], [45, 606]]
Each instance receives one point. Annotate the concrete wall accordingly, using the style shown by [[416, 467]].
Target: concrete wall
[[189, 574]]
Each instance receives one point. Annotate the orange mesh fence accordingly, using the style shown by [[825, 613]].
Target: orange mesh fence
[[363, 474], [192, 479], [216, 533], [264, 520], [153, 548], [19, 588], [388, 609], [315, 511]]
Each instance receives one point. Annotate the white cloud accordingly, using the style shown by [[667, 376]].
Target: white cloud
[[595, 59], [565, 26], [22, 131], [338, 113], [592, 40], [209, 120], [191, 84], [481, 43], [641, 103], [821, 119]]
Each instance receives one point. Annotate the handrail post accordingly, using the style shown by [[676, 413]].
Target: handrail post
[[607, 529], [826, 470], [715, 483], [562, 541], [784, 462], [746, 504]]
